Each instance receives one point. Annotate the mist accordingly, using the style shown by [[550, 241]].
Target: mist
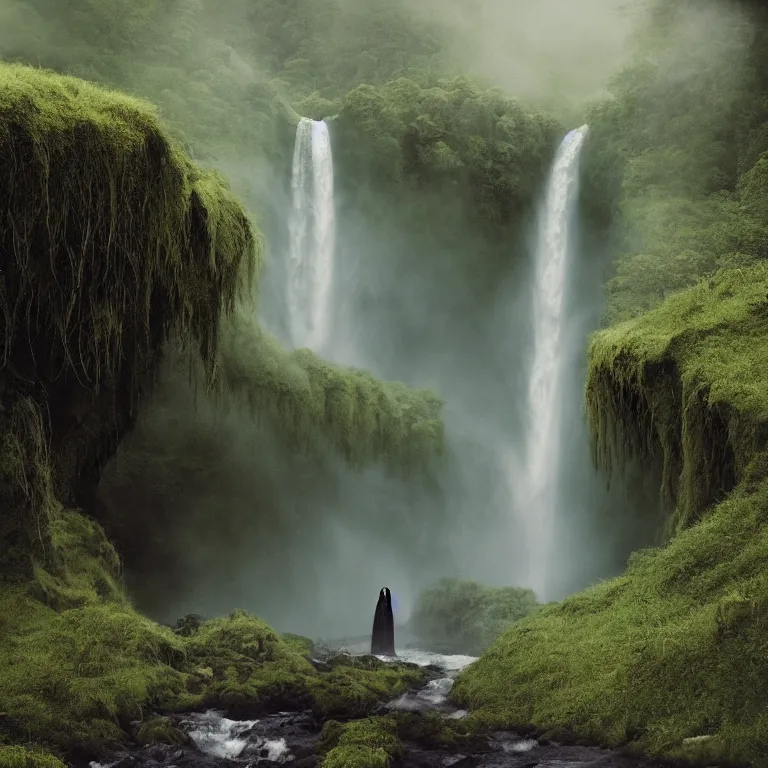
[[554, 52], [210, 511]]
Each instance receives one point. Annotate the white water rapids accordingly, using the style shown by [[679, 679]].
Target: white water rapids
[[538, 491], [312, 230]]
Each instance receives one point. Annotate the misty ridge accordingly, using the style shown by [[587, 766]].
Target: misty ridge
[[210, 508]]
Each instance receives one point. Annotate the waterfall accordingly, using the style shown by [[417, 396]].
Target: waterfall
[[539, 497], [312, 230]]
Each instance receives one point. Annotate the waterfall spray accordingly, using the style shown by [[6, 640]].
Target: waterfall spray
[[539, 497], [312, 236]]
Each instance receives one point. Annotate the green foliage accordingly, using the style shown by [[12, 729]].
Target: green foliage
[[90, 150], [685, 385], [140, 245], [67, 677], [433, 730], [355, 686], [377, 741], [369, 743], [160, 730], [669, 157], [72, 679], [298, 643], [452, 133], [23, 757], [312, 401], [466, 617], [219, 74]]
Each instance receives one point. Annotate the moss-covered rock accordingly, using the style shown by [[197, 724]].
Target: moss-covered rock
[[354, 689], [368, 743], [23, 757], [673, 649], [456, 616], [375, 742], [160, 730], [684, 386]]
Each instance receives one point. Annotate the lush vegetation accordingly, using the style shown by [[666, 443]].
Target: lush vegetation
[[451, 134], [223, 77], [141, 247], [675, 161], [670, 651], [308, 399], [376, 742], [457, 616], [83, 327], [75, 679]]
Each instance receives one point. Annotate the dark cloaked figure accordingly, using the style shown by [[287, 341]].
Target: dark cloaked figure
[[383, 635]]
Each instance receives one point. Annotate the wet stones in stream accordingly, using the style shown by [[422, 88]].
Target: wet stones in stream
[[213, 739]]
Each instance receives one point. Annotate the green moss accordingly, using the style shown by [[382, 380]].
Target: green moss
[[673, 649], [298, 643], [117, 243], [377, 741], [67, 679], [369, 743], [74, 678], [454, 136], [160, 730], [668, 651], [313, 401], [433, 730], [456, 616], [348, 690], [22, 757], [685, 386], [253, 670]]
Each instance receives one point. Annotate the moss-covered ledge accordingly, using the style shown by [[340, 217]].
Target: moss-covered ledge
[[686, 386], [668, 659], [319, 406], [111, 241]]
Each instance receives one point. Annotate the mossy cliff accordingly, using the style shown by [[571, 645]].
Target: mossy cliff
[[112, 245], [674, 648], [111, 242]]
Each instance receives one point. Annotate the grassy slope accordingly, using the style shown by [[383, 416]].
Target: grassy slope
[[675, 647], [113, 243]]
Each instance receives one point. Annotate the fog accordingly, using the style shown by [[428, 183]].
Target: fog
[[551, 52], [210, 510]]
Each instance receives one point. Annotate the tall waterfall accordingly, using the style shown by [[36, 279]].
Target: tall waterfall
[[545, 387], [312, 230]]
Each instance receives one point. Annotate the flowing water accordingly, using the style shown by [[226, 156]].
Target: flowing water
[[538, 495], [312, 230]]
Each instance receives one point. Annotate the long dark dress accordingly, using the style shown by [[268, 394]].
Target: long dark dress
[[383, 635]]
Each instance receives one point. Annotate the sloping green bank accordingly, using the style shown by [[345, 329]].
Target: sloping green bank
[[675, 648]]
